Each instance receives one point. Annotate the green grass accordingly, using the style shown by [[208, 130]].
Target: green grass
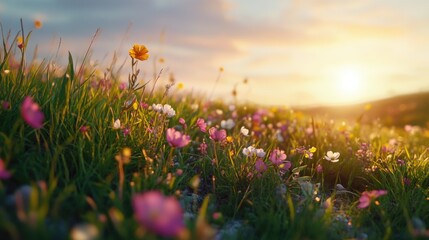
[[72, 178]]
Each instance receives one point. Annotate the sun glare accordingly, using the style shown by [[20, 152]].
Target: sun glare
[[349, 80]]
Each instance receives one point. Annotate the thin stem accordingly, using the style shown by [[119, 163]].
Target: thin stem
[[121, 177]]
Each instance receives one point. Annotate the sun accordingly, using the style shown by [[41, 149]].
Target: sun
[[349, 80]]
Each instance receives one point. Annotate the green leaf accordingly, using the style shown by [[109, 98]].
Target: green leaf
[[299, 169]]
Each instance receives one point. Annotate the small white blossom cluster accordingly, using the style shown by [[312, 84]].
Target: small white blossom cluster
[[252, 151], [166, 109], [227, 124]]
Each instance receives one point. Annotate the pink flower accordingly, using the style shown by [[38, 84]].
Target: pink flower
[[183, 122], [367, 197], [217, 135], [217, 215], [203, 148], [179, 172], [4, 174], [5, 105], [319, 169], [407, 181], [144, 105], [177, 139], [159, 214], [30, 112], [260, 166], [277, 156], [126, 131], [201, 125], [84, 129], [122, 86]]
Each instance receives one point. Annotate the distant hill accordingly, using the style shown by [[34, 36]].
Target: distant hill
[[396, 111]]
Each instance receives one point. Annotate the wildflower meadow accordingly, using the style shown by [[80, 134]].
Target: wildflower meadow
[[88, 154]]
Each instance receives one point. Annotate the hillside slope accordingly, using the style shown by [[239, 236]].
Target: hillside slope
[[396, 111]]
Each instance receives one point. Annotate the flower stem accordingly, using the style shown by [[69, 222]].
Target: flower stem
[[121, 178]]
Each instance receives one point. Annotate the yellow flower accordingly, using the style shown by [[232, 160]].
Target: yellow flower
[[139, 52], [180, 86], [20, 42], [126, 152], [135, 105]]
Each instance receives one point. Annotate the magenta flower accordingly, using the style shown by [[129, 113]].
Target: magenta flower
[[367, 197], [201, 125], [277, 156], [126, 131], [285, 166], [84, 129], [177, 139], [5, 105], [159, 214], [217, 135], [260, 166], [4, 173], [30, 112]]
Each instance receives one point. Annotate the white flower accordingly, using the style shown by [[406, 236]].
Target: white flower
[[168, 110], [332, 157], [260, 152], [244, 131], [157, 107], [279, 136], [249, 151], [228, 124], [340, 187], [117, 124], [195, 106], [84, 231]]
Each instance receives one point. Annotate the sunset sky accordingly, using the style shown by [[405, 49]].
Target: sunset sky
[[297, 52]]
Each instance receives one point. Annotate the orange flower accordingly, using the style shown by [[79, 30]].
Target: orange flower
[[139, 52], [37, 24]]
